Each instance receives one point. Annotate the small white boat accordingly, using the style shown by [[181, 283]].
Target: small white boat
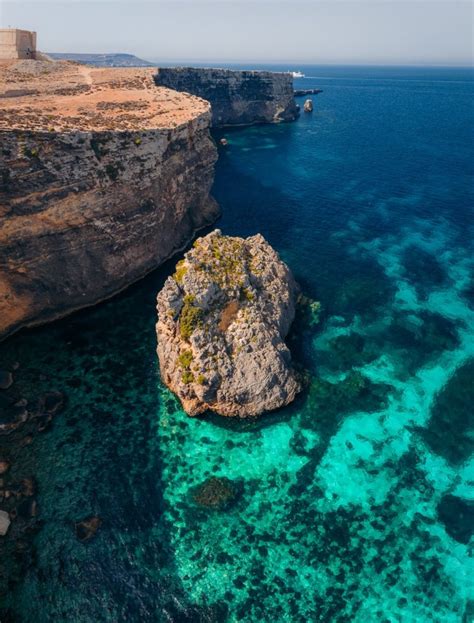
[[297, 74]]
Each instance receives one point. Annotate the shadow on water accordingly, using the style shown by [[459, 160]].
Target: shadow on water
[[101, 456]]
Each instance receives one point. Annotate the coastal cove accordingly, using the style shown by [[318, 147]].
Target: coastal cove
[[352, 504]]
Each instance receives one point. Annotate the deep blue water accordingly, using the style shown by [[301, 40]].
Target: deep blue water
[[357, 501]]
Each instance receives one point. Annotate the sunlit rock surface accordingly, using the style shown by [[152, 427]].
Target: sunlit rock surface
[[222, 319]]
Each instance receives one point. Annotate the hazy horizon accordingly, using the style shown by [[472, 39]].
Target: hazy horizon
[[367, 32]]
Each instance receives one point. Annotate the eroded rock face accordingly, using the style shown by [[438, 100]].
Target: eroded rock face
[[222, 320], [236, 97], [103, 175]]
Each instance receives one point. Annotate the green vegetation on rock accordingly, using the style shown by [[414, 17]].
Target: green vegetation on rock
[[181, 270], [185, 359], [190, 317], [247, 294], [187, 377], [224, 259]]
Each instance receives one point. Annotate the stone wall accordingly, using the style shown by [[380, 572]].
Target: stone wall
[[16, 44], [236, 97]]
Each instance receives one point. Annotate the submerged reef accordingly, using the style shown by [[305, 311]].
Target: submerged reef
[[457, 516], [216, 493], [451, 426], [222, 320]]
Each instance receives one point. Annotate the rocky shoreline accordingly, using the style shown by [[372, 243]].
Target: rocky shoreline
[[222, 320]]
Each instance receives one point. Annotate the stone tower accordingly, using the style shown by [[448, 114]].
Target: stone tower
[[15, 43]]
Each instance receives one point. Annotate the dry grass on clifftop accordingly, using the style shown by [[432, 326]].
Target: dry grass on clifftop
[[64, 96]]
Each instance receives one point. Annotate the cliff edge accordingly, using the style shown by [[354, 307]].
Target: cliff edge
[[102, 177], [222, 320], [236, 97]]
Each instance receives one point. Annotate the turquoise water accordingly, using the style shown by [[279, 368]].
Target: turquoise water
[[356, 501]]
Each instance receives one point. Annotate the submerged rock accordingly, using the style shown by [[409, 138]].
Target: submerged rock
[[458, 517], [28, 487], [222, 319], [4, 522], [216, 493], [52, 402], [449, 431], [6, 379], [4, 466], [87, 528]]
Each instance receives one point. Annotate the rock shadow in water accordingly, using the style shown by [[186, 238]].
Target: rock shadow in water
[[457, 515], [450, 430], [107, 463], [423, 270]]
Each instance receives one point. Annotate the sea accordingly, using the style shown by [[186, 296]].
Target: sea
[[356, 502]]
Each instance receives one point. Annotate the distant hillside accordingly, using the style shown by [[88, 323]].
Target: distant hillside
[[103, 60]]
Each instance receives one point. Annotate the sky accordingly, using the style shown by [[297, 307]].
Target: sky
[[427, 32]]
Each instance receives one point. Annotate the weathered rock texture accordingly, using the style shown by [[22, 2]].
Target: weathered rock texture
[[102, 176], [236, 97], [222, 319]]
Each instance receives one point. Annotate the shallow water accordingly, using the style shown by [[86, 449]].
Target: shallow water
[[356, 501]]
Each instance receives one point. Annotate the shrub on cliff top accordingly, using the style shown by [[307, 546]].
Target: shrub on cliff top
[[181, 270], [187, 377], [185, 359], [223, 258], [190, 317]]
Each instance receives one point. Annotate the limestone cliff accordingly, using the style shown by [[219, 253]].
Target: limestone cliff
[[236, 97], [222, 320], [102, 176]]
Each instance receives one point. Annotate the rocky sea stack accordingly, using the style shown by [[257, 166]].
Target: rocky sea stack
[[222, 320]]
